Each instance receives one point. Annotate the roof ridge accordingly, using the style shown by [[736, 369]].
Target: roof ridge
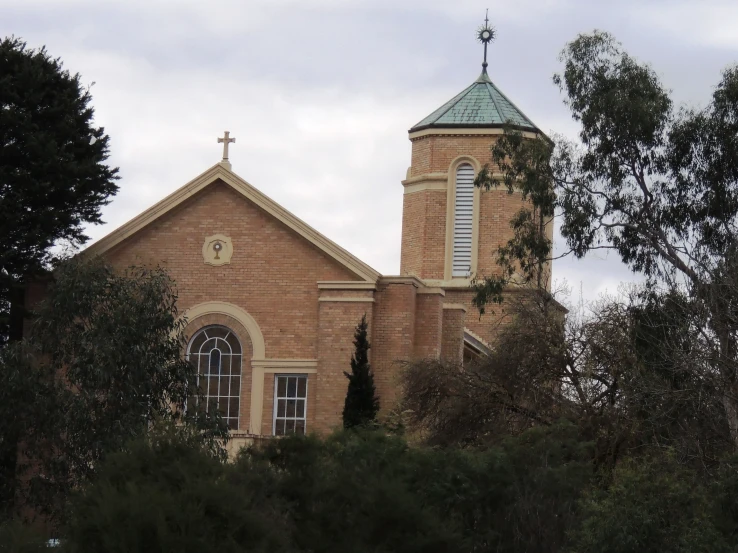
[[250, 193], [520, 111], [491, 97]]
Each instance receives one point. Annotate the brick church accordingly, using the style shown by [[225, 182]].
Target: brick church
[[272, 304]]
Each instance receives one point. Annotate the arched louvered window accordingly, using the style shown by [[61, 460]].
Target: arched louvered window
[[463, 221], [216, 353]]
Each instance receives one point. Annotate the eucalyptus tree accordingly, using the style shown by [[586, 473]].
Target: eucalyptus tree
[[655, 183]]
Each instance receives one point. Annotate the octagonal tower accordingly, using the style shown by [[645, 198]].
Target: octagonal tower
[[451, 230]]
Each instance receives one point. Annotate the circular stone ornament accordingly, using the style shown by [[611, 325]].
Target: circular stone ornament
[[217, 250]]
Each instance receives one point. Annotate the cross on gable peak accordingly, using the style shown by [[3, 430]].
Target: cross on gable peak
[[226, 140]]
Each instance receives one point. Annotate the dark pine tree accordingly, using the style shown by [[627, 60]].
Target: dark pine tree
[[362, 403], [53, 175], [53, 182]]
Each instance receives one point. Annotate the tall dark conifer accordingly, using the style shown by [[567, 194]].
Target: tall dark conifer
[[362, 403], [54, 176]]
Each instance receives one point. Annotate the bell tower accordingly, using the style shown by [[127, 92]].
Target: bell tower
[[451, 230]]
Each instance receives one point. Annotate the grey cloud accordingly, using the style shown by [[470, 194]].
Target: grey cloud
[[320, 93]]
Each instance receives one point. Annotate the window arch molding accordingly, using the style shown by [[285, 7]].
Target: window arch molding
[[235, 312], [451, 218], [258, 350]]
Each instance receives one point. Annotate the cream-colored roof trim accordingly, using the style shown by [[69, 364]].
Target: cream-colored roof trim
[[219, 171], [477, 337], [290, 370], [422, 186], [345, 285], [439, 291], [441, 177], [349, 300], [455, 283], [465, 132], [400, 279], [286, 363]]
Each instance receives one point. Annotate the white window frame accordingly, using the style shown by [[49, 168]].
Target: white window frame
[[277, 376], [217, 397]]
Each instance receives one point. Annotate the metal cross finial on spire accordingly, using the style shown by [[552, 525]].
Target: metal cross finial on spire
[[485, 35], [225, 141]]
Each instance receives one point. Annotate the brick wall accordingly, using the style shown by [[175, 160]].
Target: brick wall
[[452, 347], [273, 273], [424, 234], [337, 323], [429, 324], [393, 335], [434, 153], [424, 211]]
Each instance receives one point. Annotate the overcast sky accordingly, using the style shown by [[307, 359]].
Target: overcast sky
[[320, 93]]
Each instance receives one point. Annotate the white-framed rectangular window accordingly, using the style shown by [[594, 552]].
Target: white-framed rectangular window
[[290, 404]]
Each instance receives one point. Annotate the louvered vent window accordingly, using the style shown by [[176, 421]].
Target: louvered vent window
[[463, 214]]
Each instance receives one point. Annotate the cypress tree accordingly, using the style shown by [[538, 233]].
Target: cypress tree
[[362, 403]]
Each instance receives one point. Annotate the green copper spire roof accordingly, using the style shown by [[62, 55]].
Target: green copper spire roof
[[481, 104]]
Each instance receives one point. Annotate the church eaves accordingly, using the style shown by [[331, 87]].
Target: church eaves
[[480, 105], [221, 172]]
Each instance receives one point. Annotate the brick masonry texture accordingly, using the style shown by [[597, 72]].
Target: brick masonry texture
[[393, 335], [337, 324], [274, 275], [429, 326], [425, 223], [434, 153], [452, 347], [424, 234]]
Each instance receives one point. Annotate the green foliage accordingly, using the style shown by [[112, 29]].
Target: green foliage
[[53, 179], [19, 538], [359, 491], [362, 404], [670, 396], [103, 365], [29, 404], [367, 492], [167, 493], [651, 506], [519, 496], [354, 491], [523, 166]]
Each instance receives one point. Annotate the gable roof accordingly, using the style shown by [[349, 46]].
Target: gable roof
[[220, 172], [481, 104]]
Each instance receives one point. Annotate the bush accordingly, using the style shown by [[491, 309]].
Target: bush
[[651, 506]]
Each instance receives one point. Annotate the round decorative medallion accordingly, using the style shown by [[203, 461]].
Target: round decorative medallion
[[217, 250]]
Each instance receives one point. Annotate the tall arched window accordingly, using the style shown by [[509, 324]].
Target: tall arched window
[[463, 221], [216, 353]]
